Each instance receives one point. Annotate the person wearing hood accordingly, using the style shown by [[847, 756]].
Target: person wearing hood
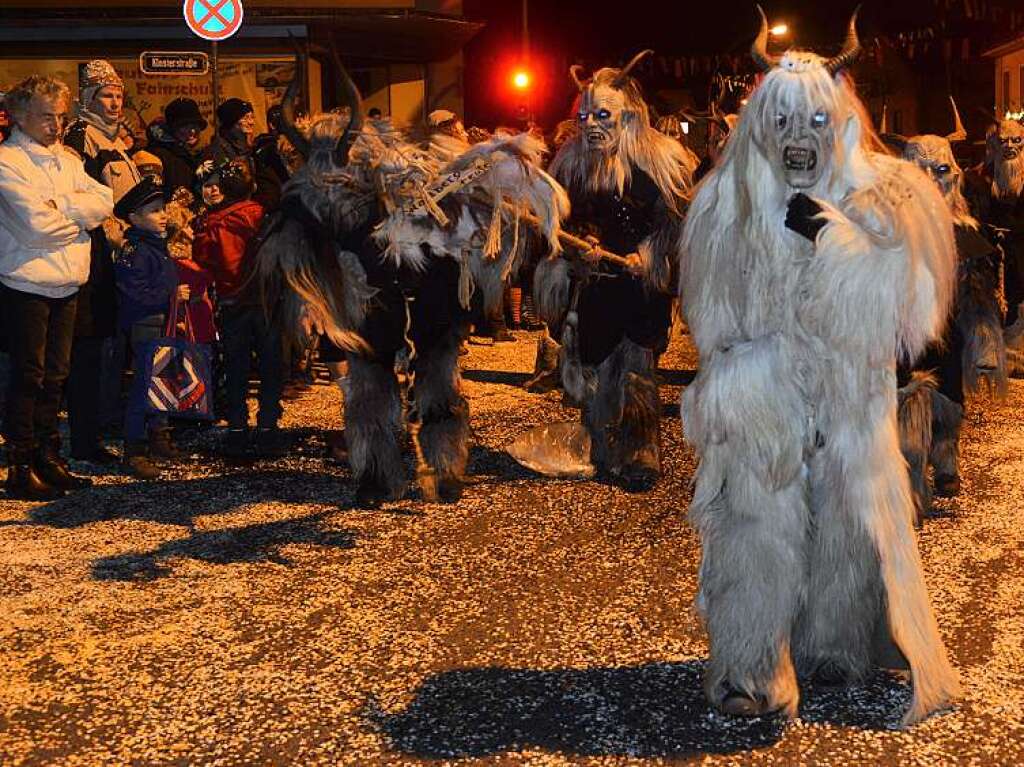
[[95, 137], [177, 142]]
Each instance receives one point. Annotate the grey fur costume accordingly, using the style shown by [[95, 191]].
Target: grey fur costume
[[802, 498], [368, 250]]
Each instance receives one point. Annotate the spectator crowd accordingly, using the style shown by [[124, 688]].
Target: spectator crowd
[[109, 241]]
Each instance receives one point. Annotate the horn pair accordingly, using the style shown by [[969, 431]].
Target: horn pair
[[351, 96], [576, 72], [766, 62]]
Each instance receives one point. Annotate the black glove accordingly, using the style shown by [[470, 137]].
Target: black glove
[[800, 216]]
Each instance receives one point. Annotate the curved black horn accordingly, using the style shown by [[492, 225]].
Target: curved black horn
[[851, 48], [355, 105], [624, 72], [759, 48], [574, 72], [293, 134]]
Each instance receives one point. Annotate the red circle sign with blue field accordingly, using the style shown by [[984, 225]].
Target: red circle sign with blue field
[[213, 19]]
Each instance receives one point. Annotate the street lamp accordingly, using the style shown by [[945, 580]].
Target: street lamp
[[780, 30]]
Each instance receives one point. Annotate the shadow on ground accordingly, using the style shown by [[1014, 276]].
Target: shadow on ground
[[179, 502], [502, 377], [654, 710], [651, 710], [251, 543]]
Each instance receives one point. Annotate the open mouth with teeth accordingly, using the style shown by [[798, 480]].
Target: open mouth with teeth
[[798, 158], [595, 136], [1010, 153]]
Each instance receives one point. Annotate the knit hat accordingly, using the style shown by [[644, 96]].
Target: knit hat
[[140, 195], [181, 112], [96, 74], [230, 112], [147, 163]]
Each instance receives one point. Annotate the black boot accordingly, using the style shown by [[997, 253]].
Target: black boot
[[52, 469], [162, 447], [23, 483], [137, 461]]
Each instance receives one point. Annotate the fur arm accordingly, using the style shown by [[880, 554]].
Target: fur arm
[[659, 254], [883, 274]]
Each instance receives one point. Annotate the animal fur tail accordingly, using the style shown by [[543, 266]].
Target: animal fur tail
[[915, 420], [315, 279]]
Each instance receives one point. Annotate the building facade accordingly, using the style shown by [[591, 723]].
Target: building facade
[[405, 55], [1008, 59]]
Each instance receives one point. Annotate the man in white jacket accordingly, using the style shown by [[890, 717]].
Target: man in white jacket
[[48, 204]]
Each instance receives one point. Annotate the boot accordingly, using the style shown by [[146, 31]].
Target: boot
[[546, 374], [137, 461], [52, 469], [162, 447], [947, 417], [23, 483]]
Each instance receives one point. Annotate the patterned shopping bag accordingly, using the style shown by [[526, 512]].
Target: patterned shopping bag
[[177, 370]]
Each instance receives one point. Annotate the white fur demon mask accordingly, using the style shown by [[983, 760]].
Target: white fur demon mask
[[934, 154], [799, 120]]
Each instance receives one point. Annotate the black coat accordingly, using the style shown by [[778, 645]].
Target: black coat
[[96, 313], [179, 163]]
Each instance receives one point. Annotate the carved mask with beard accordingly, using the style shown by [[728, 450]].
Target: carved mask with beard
[[1005, 153]]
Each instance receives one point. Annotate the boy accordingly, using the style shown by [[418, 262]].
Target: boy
[[147, 280]]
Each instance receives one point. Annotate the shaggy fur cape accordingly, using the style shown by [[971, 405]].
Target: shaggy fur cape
[[802, 497]]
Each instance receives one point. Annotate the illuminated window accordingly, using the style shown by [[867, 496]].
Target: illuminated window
[[1006, 91]]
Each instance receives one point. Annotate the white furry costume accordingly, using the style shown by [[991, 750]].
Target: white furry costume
[[802, 498], [385, 262], [972, 349], [628, 185]]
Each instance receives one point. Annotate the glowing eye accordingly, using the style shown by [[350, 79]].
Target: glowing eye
[[819, 120], [603, 114], [943, 169], [780, 121], [583, 116], [1016, 140]]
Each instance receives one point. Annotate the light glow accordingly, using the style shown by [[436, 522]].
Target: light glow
[[521, 80], [779, 30]]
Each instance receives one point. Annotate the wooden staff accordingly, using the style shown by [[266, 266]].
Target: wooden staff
[[568, 240]]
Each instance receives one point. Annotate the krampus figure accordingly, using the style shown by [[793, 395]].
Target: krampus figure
[[996, 193], [383, 247], [628, 185], [810, 262], [972, 348]]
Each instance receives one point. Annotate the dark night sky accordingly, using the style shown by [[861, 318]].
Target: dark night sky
[[597, 33]]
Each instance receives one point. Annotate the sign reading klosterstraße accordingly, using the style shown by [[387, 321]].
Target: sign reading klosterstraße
[[174, 63]]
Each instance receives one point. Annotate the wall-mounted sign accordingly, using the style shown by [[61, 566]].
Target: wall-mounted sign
[[174, 63], [213, 20]]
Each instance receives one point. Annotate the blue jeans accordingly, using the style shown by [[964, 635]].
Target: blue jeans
[[136, 421]]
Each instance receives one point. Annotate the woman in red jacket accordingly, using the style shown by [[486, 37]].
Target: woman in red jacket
[[222, 237]]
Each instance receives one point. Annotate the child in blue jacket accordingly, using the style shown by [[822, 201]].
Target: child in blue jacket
[[147, 280]]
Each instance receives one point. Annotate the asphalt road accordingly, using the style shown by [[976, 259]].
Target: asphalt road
[[250, 615]]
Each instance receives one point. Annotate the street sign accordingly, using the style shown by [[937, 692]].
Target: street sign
[[174, 63], [213, 20]]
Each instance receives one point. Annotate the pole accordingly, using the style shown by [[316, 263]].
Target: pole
[[216, 84], [526, 58]]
